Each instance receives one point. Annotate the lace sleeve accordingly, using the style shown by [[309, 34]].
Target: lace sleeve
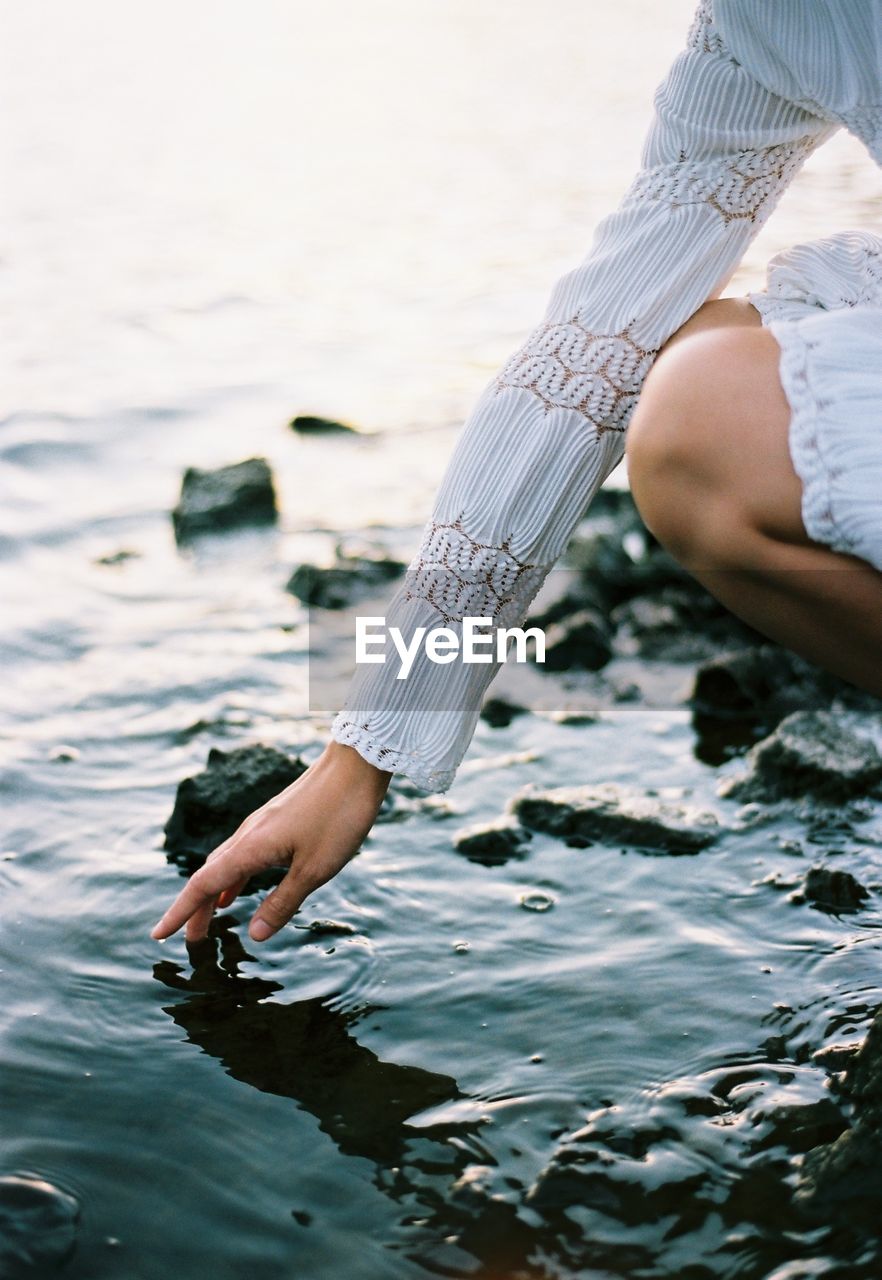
[[550, 426]]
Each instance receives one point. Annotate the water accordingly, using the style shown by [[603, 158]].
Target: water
[[216, 217]]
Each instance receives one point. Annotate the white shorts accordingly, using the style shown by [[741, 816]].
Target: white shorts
[[823, 305]]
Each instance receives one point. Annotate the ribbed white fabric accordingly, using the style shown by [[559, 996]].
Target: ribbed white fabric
[[550, 426], [823, 303]]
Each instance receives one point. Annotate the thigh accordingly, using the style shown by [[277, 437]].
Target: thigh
[[718, 398]]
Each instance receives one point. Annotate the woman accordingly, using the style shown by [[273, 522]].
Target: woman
[[755, 451]]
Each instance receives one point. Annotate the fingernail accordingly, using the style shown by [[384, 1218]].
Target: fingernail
[[260, 930]]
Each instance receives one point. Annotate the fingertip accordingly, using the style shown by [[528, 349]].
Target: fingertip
[[259, 930]]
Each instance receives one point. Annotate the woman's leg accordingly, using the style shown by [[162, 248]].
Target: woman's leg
[[710, 470]]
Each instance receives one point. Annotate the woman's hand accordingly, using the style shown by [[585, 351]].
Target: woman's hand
[[313, 827]]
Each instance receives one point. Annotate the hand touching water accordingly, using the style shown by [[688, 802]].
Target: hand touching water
[[313, 827]]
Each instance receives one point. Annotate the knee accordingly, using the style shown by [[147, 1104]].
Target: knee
[[676, 462]]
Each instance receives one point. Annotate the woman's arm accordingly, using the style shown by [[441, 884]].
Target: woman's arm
[[551, 425], [539, 443]]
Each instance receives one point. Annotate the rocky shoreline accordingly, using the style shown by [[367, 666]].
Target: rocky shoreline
[[791, 724]]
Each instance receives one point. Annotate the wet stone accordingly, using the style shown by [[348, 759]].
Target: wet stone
[[616, 815], [492, 843], [810, 754], [38, 1226], [675, 624], [832, 890], [835, 1057], [499, 713], [210, 805], [800, 1127], [580, 640], [225, 498], [765, 683], [842, 1180], [306, 424], [620, 558], [339, 585]]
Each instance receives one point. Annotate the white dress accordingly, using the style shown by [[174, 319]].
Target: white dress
[[758, 87]]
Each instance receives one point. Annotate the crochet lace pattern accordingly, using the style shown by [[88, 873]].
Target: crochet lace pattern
[[462, 577], [569, 366], [739, 191], [361, 737], [702, 33]]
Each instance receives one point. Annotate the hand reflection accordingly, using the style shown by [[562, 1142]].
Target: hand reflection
[[307, 1051]]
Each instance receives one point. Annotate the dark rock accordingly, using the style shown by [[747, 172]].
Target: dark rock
[[578, 596], [833, 891], [801, 1126], [678, 624], [339, 585], [834, 1057], [38, 1226], [211, 501], [616, 815], [492, 843], [603, 557], [308, 425], [653, 620], [764, 683], [843, 1179], [863, 1076], [499, 713], [600, 556], [574, 716], [580, 640], [809, 754], [212, 804]]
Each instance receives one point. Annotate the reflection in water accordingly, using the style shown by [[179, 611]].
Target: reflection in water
[[306, 1050]]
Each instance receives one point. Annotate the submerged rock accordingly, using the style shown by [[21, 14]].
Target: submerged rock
[[832, 890], [210, 805], [843, 1179], [615, 814], [225, 498], [324, 928], [492, 843], [306, 424], [38, 1226], [799, 1126], [809, 754], [339, 585]]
